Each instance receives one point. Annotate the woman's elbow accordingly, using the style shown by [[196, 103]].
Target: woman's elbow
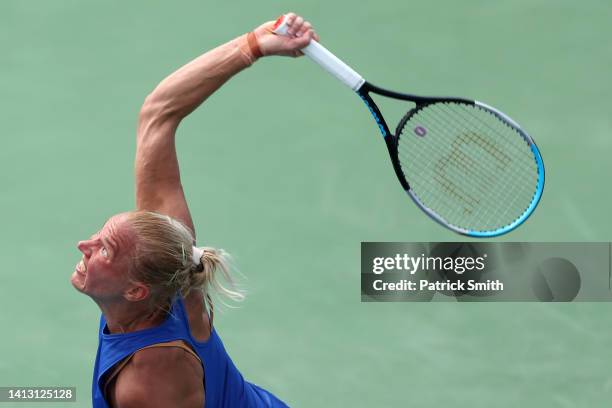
[[156, 110], [154, 105]]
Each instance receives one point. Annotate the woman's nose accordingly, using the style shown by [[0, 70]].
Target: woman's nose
[[84, 247]]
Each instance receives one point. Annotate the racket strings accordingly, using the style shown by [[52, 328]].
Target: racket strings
[[443, 121], [466, 162], [517, 189], [516, 144], [487, 147], [514, 194], [467, 165], [464, 207]]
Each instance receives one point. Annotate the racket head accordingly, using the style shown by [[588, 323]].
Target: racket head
[[473, 122], [468, 166]]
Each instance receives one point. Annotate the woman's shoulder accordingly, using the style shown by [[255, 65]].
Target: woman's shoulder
[[172, 356], [164, 375]]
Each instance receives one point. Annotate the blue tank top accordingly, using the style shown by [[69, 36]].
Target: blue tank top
[[224, 385]]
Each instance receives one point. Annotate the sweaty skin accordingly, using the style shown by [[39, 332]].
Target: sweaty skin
[[165, 377]]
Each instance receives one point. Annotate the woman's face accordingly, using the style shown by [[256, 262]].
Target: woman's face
[[102, 271]]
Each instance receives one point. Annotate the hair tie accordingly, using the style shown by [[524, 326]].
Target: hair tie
[[197, 255]]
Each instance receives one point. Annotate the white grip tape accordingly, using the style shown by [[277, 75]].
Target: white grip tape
[[332, 64]]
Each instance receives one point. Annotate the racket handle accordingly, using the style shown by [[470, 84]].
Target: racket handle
[[322, 56]]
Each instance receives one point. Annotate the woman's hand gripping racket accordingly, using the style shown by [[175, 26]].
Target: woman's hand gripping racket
[[467, 165]]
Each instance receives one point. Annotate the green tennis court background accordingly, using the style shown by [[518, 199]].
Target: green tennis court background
[[285, 169]]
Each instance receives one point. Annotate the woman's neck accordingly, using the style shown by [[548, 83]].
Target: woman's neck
[[126, 317]]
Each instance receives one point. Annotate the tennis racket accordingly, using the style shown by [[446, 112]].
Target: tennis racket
[[465, 164]]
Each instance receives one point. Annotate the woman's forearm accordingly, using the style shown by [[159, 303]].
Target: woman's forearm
[[184, 90]]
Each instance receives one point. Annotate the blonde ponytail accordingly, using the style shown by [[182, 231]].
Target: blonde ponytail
[[206, 275], [164, 259]]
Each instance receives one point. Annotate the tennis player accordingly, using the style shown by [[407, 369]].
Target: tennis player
[[157, 344]]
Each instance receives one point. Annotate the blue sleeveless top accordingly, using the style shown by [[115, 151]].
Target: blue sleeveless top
[[223, 384]]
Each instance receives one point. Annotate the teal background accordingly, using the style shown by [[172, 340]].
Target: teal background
[[284, 168]]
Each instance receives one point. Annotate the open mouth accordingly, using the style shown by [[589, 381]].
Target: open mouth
[[81, 268]]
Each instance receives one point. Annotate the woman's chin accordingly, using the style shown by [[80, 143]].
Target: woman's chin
[[77, 281]]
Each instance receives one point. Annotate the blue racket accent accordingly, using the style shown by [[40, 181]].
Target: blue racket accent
[[528, 211], [381, 124]]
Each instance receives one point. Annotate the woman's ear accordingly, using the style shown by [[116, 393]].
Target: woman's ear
[[136, 292]]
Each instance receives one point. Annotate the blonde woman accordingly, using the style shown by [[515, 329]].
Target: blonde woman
[[157, 344]]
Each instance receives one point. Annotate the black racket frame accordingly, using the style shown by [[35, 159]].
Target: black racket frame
[[392, 139]]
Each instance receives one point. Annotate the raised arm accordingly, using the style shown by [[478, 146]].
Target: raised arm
[[158, 182]]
